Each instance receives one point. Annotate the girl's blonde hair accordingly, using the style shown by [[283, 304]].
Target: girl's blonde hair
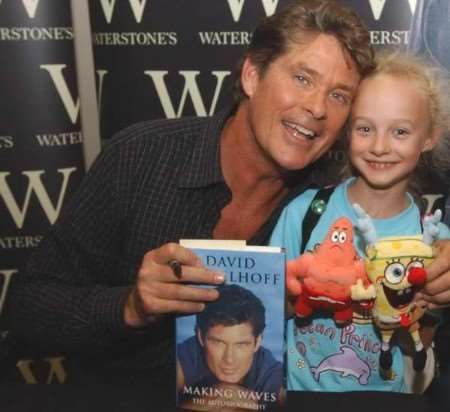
[[433, 166]]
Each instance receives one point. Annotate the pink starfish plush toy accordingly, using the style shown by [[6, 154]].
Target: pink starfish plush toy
[[331, 277]]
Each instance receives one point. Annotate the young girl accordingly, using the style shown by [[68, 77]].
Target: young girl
[[397, 128]]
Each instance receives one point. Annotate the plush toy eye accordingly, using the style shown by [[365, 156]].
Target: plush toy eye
[[394, 272], [415, 264], [342, 237], [335, 236]]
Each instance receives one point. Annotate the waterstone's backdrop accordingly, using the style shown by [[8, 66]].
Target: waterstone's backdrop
[[41, 159], [74, 73]]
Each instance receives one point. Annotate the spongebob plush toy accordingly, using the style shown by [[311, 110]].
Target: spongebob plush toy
[[396, 266]]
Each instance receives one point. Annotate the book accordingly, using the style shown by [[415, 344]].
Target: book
[[230, 355]]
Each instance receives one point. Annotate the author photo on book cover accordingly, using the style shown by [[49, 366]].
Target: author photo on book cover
[[226, 360]]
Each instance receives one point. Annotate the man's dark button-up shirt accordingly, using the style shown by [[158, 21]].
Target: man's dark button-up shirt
[[155, 182]]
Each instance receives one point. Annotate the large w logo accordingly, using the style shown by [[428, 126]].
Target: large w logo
[[71, 106], [30, 7], [55, 370], [236, 7], [6, 274], [377, 7], [190, 89], [35, 185], [137, 6]]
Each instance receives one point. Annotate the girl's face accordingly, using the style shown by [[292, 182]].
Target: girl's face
[[390, 128]]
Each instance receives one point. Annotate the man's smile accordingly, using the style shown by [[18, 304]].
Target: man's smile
[[300, 131], [228, 371]]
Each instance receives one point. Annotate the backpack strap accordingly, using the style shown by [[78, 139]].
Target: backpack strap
[[315, 210]]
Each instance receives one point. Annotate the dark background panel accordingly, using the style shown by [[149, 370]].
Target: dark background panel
[[37, 133], [202, 36], [38, 139]]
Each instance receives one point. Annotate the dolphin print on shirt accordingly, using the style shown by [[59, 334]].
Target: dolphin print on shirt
[[347, 363]]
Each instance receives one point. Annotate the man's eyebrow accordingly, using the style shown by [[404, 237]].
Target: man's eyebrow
[[212, 337]]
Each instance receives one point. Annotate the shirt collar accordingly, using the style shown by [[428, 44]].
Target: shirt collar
[[203, 167]]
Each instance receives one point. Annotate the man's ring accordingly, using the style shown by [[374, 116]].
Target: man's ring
[[176, 267]]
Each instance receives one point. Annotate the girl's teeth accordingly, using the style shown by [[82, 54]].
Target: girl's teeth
[[379, 165]]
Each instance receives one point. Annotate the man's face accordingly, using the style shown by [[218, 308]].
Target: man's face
[[298, 106], [229, 351]]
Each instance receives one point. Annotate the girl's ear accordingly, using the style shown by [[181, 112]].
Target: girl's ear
[[249, 77], [432, 140]]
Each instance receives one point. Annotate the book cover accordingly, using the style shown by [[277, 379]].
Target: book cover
[[230, 356]]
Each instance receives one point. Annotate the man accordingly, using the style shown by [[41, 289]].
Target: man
[[100, 286], [227, 349]]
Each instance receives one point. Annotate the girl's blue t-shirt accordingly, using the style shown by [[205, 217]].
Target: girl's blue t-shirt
[[322, 356]]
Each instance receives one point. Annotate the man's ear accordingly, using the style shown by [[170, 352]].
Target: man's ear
[[432, 140], [258, 342], [249, 77], [199, 337]]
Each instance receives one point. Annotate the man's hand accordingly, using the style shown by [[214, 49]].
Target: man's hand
[[158, 291], [436, 292]]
